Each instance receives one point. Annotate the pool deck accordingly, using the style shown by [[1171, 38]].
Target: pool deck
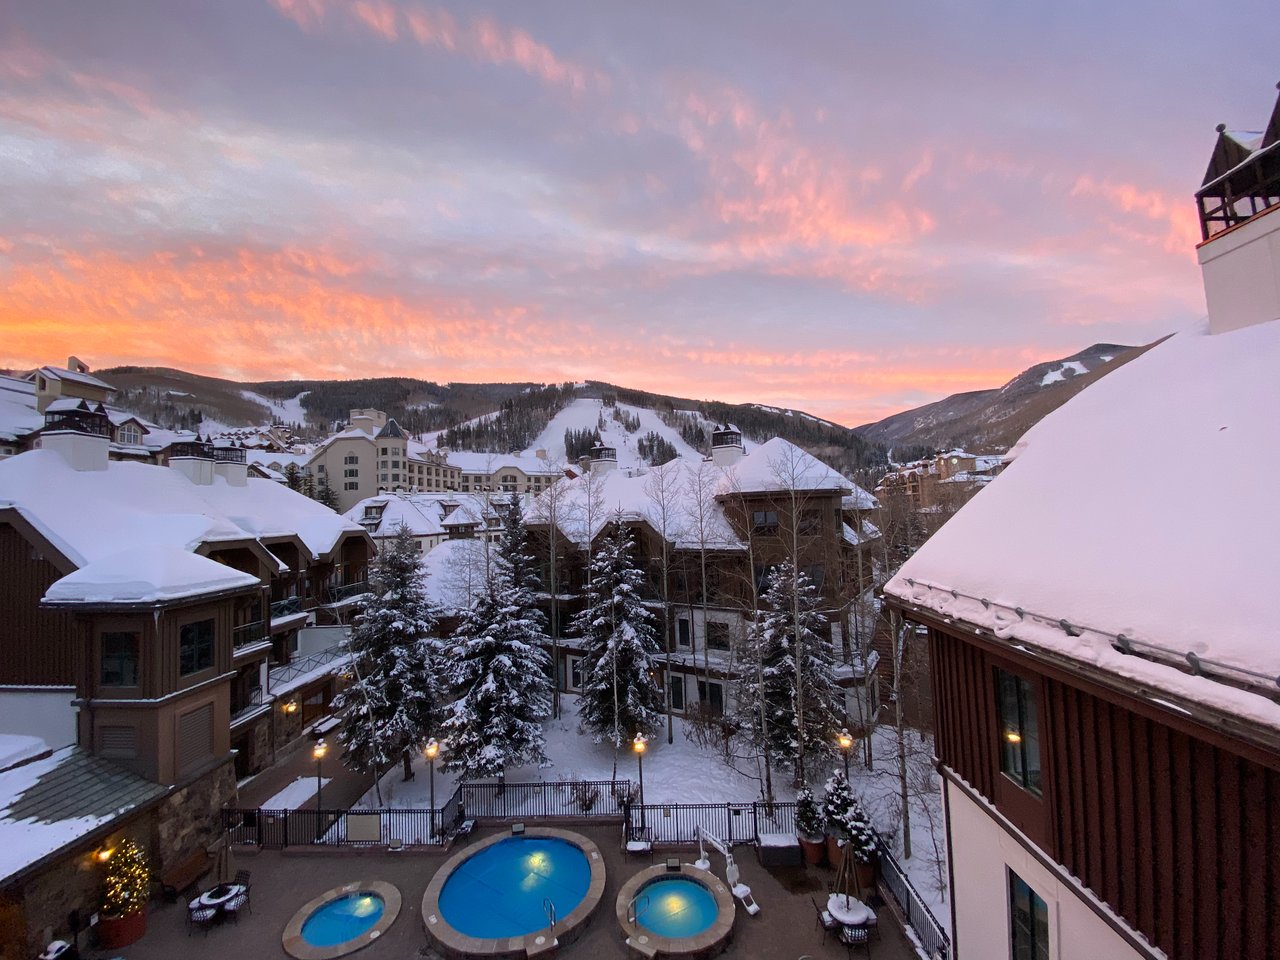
[[284, 880]]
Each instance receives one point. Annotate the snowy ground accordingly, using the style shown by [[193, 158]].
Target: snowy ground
[[302, 790], [583, 413], [684, 772], [290, 411]]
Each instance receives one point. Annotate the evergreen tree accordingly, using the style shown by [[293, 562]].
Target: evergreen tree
[[619, 695], [393, 704], [293, 477], [324, 493], [499, 667], [847, 820], [308, 488], [787, 677]]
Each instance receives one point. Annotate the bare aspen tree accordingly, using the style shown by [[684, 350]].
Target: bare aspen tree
[[548, 509], [700, 489], [661, 485]]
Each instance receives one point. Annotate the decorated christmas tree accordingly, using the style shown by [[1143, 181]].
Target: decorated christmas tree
[[128, 882]]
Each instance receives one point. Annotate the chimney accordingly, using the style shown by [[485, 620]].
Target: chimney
[[80, 433], [229, 463], [726, 445], [603, 459], [194, 460], [76, 365], [1240, 225]]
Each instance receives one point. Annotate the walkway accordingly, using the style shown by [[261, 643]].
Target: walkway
[[344, 788]]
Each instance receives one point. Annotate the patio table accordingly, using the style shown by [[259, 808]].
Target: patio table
[[850, 911], [217, 896]]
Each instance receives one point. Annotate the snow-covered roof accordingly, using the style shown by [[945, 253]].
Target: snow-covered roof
[[859, 500], [18, 415], [422, 513], [90, 515], [454, 573], [153, 573], [470, 462], [59, 373], [1091, 525], [58, 800], [779, 464]]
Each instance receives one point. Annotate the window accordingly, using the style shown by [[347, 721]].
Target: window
[[1029, 922], [129, 433], [351, 485], [119, 659], [676, 683], [351, 473], [384, 451], [575, 673], [351, 458], [817, 575], [717, 635], [810, 523], [765, 521], [1019, 731], [319, 468], [712, 697], [195, 647], [395, 464], [682, 632]]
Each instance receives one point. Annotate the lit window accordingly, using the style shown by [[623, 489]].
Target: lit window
[[1019, 731]]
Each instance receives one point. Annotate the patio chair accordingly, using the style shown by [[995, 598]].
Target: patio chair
[[242, 878], [826, 921], [639, 842], [855, 936], [238, 903], [200, 916]]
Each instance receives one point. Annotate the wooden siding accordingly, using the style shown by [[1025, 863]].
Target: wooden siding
[[1181, 837], [40, 646]]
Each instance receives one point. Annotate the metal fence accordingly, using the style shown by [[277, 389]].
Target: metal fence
[[568, 798], [927, 929]]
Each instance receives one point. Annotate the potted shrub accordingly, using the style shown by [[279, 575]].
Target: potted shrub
[[862, 837], [837, 807], [809, 827], [126, 889]]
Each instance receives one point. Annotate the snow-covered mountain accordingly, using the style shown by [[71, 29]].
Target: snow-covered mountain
[[993, 420]]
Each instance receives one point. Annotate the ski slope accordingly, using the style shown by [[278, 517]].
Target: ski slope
[[584, 414]]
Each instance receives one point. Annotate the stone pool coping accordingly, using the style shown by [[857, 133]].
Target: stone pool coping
[[297, 947], [705, 944], [531, 944]]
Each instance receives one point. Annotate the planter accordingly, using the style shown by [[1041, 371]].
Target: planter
[[813, 850], [866, 874], [115, 932], [834, 850]]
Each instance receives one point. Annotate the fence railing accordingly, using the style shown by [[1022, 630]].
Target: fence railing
[[933, 938], [569, 798]]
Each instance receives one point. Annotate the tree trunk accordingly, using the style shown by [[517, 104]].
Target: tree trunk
[[895, 626], [407, 760]]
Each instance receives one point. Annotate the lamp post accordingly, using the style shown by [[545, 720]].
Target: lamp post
[[845, 739], [431, 750], [638, 745], [318, 751]]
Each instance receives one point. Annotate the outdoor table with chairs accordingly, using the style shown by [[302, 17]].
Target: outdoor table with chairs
[[219, 902], [851, 920]]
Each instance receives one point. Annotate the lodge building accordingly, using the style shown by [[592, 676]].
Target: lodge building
[[1103, 654]]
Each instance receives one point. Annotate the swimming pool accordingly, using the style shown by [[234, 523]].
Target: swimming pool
[[675, 911], [343, 919], [505, 890], [678, 907], [491, 900]]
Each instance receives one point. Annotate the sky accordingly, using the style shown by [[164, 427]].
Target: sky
[[847, 208]]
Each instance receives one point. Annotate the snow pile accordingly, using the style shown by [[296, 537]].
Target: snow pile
[[297, 794], [151, 573], [1072, 368], [1146, 507]]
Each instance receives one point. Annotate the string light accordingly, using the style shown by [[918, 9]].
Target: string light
[[127, 886]]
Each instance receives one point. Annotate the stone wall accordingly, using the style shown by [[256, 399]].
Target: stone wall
[[73, 883], [190, 819]]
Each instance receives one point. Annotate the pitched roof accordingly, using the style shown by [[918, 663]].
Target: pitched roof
[[392, 429], [151, 573], [59, 373], [1092, 525], [56, 801]]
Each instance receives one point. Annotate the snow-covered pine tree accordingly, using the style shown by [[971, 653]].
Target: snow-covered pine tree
[[292, 477], [619, 695], [787, 677], [846, 819], [393, 705], [498, 666], [324, 493]]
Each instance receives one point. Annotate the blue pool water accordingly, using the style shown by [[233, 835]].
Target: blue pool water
[[500, 891], [342, 919], [675, 908]]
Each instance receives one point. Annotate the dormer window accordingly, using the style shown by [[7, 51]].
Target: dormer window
[[130, 434]]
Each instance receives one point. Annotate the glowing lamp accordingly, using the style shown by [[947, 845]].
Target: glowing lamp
[[1013, 736], [845, 739], [291, 707], [432, 749], [104, 854], [319, 750], [639, 743]]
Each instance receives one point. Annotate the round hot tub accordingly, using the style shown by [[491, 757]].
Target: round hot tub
[[514, 895], [341, 920], [676, 913]]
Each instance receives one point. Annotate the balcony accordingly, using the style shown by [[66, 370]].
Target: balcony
[[251, 706], [248, 634], [286, 607], [346, 592]]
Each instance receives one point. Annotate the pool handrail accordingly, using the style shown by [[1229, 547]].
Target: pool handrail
[[633, 908]]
